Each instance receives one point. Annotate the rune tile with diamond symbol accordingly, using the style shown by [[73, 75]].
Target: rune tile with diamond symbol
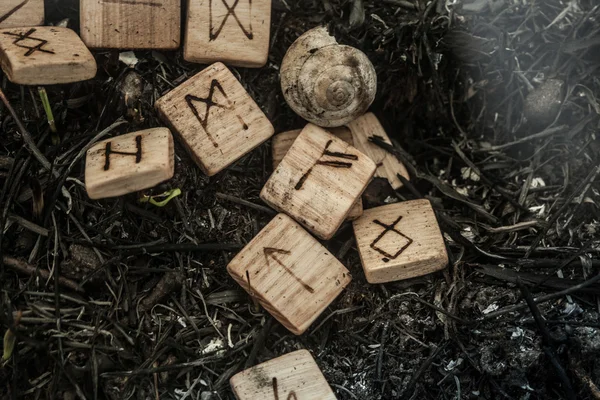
[[400, 241], [390, 242]]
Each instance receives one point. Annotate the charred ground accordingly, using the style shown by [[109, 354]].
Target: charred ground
[[147, 309]]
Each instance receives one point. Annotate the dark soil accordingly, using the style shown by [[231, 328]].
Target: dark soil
[[493, 107]]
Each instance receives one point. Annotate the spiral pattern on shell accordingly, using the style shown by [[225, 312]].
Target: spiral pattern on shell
[[327, 83]]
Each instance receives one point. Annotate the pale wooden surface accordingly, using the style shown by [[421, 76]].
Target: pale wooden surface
[[283, 141], [307, 185], [131, 24], [387, 164], [291, 274], [282, 377], [44, 55], [380, 247], [150, 161], [19, 13], [213, 33], [231, 127]]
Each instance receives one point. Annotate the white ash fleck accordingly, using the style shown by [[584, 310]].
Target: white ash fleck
[[128, 58], [453, 364], [538, 210], [517, 333], [491, 308], [468, 173], [572, 309], [215, 344], [467, 233], [390, 200], [590, 338], [537, 182]]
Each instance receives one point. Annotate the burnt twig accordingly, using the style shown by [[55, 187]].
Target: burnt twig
[[28, 269]]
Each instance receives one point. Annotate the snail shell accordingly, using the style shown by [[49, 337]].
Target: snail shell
[[327, 83]]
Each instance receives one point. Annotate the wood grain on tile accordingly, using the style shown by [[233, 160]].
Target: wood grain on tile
[[283, 141], [131, 24], [318, 181], [44, 55], [128, 163], [215, 118], [20, 13], [235, 32], [293, 376], [400, 241], [387, 164], [290, 273]]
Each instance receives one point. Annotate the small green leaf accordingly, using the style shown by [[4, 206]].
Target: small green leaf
[[168, 197], [49, 114], [9, 345]]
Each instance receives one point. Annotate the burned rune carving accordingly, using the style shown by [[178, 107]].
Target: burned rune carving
[[13, 10], [390, 229], [108, 151], [291, 396], [270, 253], [134, 3], [210, 103], [24, 37], [214, 34], [326, 160]]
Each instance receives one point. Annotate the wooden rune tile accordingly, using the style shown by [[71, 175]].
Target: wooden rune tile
[[131, 24], [293, 376], [235, 32], [283, 141], [290, 273], [387, 164], [128, 163], [215, 118], [19, 13], [318, 181], [400, 241], [44, 55]]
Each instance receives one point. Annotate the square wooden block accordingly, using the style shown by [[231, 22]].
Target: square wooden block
[[235, 32], [292, 376], [19, 13], [283, 141], [290, 273], [318, 181], [45, 55], [131, 24], [400, 241], [387, 164], [128, 163], [215, 118]]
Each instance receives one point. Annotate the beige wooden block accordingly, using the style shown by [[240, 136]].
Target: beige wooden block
[[44, 55], [215, 118], [131, 24], [400, 241], [290, 273], [387, 164], [128, 163], [19, 13], [235, 32], [293, 376], [318, 181], [283, 141]]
